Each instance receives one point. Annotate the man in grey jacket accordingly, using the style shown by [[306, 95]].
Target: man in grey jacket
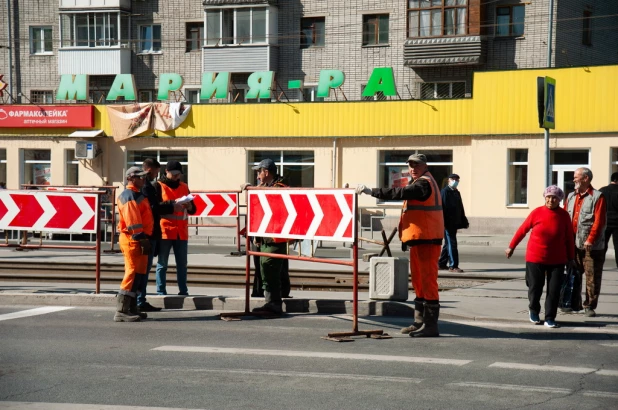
[[587, 209]]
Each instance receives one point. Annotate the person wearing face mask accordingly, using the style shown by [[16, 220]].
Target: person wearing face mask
[[587, 208], [174, 227], [550, 247], [454, 219]]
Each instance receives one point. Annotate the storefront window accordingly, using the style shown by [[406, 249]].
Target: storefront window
[[518, 177], [136, 158], [2, 168], [614, 164], [296, 167], [393, 172], [71, 171], [36, 166]]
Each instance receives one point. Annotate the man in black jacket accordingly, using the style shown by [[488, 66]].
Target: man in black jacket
[[153, 167], [454, 219], [610, 193]]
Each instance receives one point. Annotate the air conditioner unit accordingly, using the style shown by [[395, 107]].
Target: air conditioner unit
[[85, 150]]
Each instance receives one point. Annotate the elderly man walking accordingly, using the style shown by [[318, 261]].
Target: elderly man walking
[[587, 209]]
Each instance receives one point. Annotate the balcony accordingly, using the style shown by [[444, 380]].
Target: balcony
[[95, 4], [443, 51], [240, 59], [94, 61]]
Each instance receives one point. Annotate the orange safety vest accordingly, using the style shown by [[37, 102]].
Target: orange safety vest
[[135, 216], [422, 222], [176, 225]]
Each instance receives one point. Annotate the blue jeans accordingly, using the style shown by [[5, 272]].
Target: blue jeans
[[180, 254], [141, 297], [449, 253]]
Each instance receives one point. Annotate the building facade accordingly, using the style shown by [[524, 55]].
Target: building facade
[[438, 50]]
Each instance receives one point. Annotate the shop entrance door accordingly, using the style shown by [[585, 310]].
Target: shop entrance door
[[562, 175]]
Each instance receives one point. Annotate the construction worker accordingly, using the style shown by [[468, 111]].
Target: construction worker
[[421, 227], [135, 227], [270, 268]]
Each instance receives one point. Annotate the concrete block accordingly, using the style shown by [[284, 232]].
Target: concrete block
[[388, 278], [367, 256]]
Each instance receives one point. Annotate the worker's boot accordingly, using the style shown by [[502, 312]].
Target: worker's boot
[[135, 310], [123, 310], [273, 303], [430, 319], [419, 309]]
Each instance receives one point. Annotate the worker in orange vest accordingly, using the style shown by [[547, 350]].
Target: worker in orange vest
[[174, 227], [421, 227], [135, 227]]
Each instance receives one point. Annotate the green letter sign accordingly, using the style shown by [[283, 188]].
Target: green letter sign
[[73, 87], [123, 86], [168, 82], [329, 79], [260, 84], [214, 85], [382, 79]]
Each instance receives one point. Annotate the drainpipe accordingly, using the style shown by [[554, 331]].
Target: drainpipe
[[334, 161], [10, 47]]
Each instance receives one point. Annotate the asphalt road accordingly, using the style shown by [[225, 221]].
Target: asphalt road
[[191, 359]]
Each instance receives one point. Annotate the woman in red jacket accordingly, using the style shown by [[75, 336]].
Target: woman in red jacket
[[550, 247]]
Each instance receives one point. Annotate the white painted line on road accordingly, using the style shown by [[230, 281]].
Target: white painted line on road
[[33, 312], [24, 405], [318, 355], [524, 366], [526, 389], [608, 372], [609, 344], [593, 393], [527, 325], [314, 375]]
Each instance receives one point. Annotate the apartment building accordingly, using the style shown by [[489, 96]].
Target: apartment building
[[436, 49]]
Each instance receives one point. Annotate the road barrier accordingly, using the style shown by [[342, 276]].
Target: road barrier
[[217, 204]]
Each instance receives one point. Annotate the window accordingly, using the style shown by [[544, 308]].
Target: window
[[195, 36], [98, 97], [393, 171], [573, 157], [379, 96], [518, 177], [427, 18], [145, 96], [136, 158], [296, 167], [41, 40], [150, 38], [375, 29], [3, 166], [312, 32], [510, 21], [36, 166], [92, 29], [586, 31], [245, 25], [192, 95], [430, 91], [42, 97], [309, 93], [71, 170]]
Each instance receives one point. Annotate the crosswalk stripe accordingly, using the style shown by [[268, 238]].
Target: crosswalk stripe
[[535, 389], [318, 355], [524, 366], [33, 312]]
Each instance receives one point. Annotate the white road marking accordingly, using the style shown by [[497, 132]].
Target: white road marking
[[21, 405], [608, 372], [524, 325], [319, 355], [524, 366], [609, 344], [34, 312], [363, 377], [593, 393], [536, 389]]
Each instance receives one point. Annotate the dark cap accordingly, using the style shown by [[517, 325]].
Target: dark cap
[[173, 166], [453, 176], [268, 164], [417, 158], [135, 172]]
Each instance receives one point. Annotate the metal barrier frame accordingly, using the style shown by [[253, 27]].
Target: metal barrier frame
[[337, 336], [237, 217]]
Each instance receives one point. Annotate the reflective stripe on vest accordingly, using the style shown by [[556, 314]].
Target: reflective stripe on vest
[[176, 225], [423, 221]]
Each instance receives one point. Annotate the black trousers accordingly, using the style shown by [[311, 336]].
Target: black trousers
[[535, 280], [613, 232]]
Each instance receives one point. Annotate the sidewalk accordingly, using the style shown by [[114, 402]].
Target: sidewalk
[[504, 300]]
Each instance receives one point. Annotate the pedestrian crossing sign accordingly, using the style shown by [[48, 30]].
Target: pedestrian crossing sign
[[549, 118]]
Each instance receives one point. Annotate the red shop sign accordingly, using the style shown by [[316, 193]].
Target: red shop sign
[[56, 116]]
